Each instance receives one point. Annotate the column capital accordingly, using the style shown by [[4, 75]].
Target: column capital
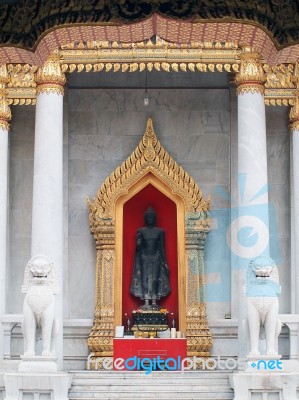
[[250, 77], [294, 113], [5, 113], [50, 78]]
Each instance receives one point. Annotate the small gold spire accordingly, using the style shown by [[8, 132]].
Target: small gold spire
[[50, 78], [5, 113], [4, 77], [251, 76]]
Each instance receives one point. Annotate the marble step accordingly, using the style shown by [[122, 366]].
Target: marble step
[[154, 394], [202, 385], [148, 381], [142, 379], [221, 374]]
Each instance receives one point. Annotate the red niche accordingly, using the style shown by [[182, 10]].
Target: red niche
[[133, 218]]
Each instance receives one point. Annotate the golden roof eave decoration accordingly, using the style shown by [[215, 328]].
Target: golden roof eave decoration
[[148, 157], [155, 54]]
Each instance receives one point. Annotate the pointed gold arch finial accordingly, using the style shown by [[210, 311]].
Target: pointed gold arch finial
[[149, 140], [149, 156]]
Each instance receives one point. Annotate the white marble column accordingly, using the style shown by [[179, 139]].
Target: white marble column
[[252, 178], [294, 127], [47, 203], [5, 116], [296, 212], [3, 225], [252, 150]]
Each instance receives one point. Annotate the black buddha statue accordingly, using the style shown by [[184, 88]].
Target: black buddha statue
[[150, 280]]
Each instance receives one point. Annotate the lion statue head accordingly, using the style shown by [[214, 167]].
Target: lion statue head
[[40, 270]]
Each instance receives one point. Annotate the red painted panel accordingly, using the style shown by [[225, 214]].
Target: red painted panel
[[133, 218], [150, 348]]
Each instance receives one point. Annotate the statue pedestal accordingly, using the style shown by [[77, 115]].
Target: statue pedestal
[[266, 379], [148, 322], [40, 364], [52, 386]]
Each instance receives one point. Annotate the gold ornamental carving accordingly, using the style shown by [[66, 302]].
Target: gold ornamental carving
[[251, 77], [149, 163], [5, 113], [294, 113], [155, 54], [4, 77], [100, 340], [50, 78], [199, 338]]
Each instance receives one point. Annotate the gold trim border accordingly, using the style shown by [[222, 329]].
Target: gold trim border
[[50, 88], [250, 87]]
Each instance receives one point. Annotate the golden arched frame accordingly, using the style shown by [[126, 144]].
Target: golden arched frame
[[149, 163]]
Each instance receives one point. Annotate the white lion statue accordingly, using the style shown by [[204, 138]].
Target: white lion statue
[[262, 290], [40, 285]]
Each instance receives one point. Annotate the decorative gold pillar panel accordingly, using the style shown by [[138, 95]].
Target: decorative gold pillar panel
[[199, 340], [5, 113], [148, 164], [251, 76], [294, 113], [100, 340]]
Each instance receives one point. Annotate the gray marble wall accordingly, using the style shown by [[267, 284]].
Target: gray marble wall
[[278, 147], [105, 126], [21, 143], [102, 127]]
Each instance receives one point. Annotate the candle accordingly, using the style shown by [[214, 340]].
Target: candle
[[173, 333]]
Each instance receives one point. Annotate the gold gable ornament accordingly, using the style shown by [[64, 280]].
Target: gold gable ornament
[[148, 164]]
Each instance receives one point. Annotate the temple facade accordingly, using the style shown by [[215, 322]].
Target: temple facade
[[98, 102]]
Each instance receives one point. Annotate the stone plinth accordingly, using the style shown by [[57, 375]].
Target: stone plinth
[[52, 386], [40, 364], [266, 385]]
